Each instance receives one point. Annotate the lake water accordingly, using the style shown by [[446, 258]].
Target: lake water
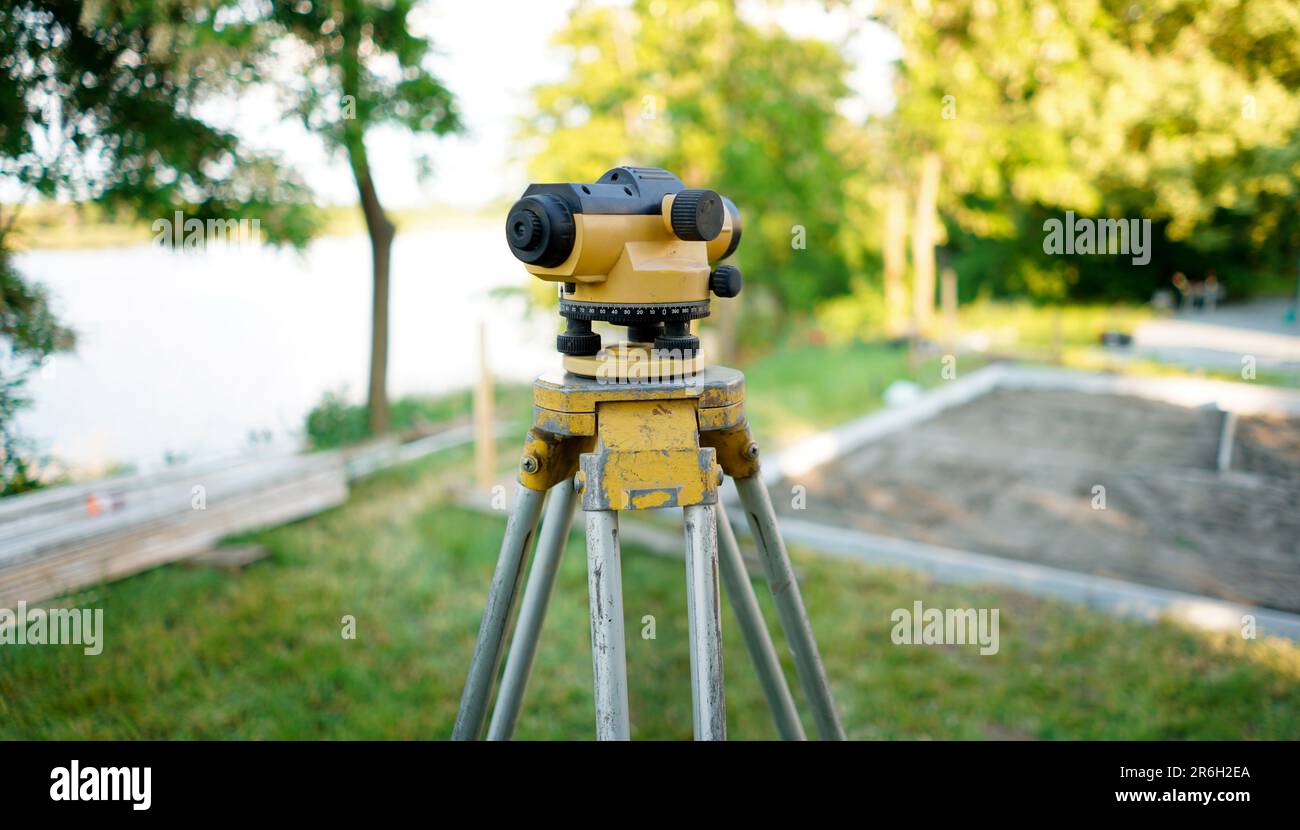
[[189, 353]]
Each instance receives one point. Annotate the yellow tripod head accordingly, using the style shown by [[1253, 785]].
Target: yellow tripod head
[[636, 248]]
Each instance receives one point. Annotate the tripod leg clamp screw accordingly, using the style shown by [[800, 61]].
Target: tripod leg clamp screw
[[529, 464]]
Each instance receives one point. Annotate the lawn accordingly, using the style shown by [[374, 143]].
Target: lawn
[[198, 653]]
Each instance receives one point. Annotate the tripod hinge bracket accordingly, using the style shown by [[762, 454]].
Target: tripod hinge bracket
[[737, 452], [549, 458]]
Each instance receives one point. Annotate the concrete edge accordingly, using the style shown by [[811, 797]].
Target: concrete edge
[[1113, 596]]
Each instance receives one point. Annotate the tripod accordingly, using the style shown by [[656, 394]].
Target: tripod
[[633, 444]]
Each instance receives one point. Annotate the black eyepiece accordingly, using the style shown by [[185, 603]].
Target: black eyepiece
[[697, 215], [540, 230]]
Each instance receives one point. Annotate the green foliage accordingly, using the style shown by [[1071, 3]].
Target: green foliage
[[849, 316], [334, 422], [29, 335], [1181, 111], [361, 67], [98, 101], [697, 89]]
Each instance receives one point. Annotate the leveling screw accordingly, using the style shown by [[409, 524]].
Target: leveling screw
[[529, 464]]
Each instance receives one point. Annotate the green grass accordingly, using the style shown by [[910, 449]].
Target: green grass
[[1026, 324], [801, 387], [197, 653]]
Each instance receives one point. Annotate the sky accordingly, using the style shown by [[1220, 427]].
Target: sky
[[481, 45]]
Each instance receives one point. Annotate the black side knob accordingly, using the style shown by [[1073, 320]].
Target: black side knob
[[726, 281], [577, 339], [677, 340], [581, 344], [697, 215]]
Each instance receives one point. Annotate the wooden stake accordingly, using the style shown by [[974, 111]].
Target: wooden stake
[[895, 254], [948, 293], [923, 236], [1058, 336], [485, 448]]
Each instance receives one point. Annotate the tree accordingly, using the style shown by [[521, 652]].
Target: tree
[[1180, 111], [727, 104], [98, 103], [364, 67], [30, 334]]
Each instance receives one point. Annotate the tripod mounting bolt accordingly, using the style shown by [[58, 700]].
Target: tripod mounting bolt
[[529, 464], [751, 452]]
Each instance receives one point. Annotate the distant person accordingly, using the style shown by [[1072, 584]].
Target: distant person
[[1190, 292], [1212, 290]]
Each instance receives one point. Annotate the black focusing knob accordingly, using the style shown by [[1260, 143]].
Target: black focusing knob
[[676, 339], [578, 339], [697, 215], [540, 230], [587, 343], [726, 281]]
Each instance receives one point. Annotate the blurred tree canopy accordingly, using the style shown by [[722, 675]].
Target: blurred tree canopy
[[1180, 111], [98, 103], [694, 88], [99, 100]]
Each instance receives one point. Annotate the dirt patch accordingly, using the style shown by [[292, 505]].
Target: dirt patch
[[1015, 473]]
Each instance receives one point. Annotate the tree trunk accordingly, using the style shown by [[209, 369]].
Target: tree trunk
[[381, 231], [923, 235], [895, 254]]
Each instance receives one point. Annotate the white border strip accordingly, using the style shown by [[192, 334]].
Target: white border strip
[[1113, 596]]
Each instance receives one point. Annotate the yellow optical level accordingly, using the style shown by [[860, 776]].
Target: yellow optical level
[[636, 248]]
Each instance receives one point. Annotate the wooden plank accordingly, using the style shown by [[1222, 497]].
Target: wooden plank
[[50, 545], [173, 497], [57, 498], [169, 538], [230, 557]]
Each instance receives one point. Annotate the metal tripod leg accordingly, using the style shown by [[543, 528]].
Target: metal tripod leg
[[608, 649], [754, 629], [501, 599], [705, 622], [789, 606], [532, 613]]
